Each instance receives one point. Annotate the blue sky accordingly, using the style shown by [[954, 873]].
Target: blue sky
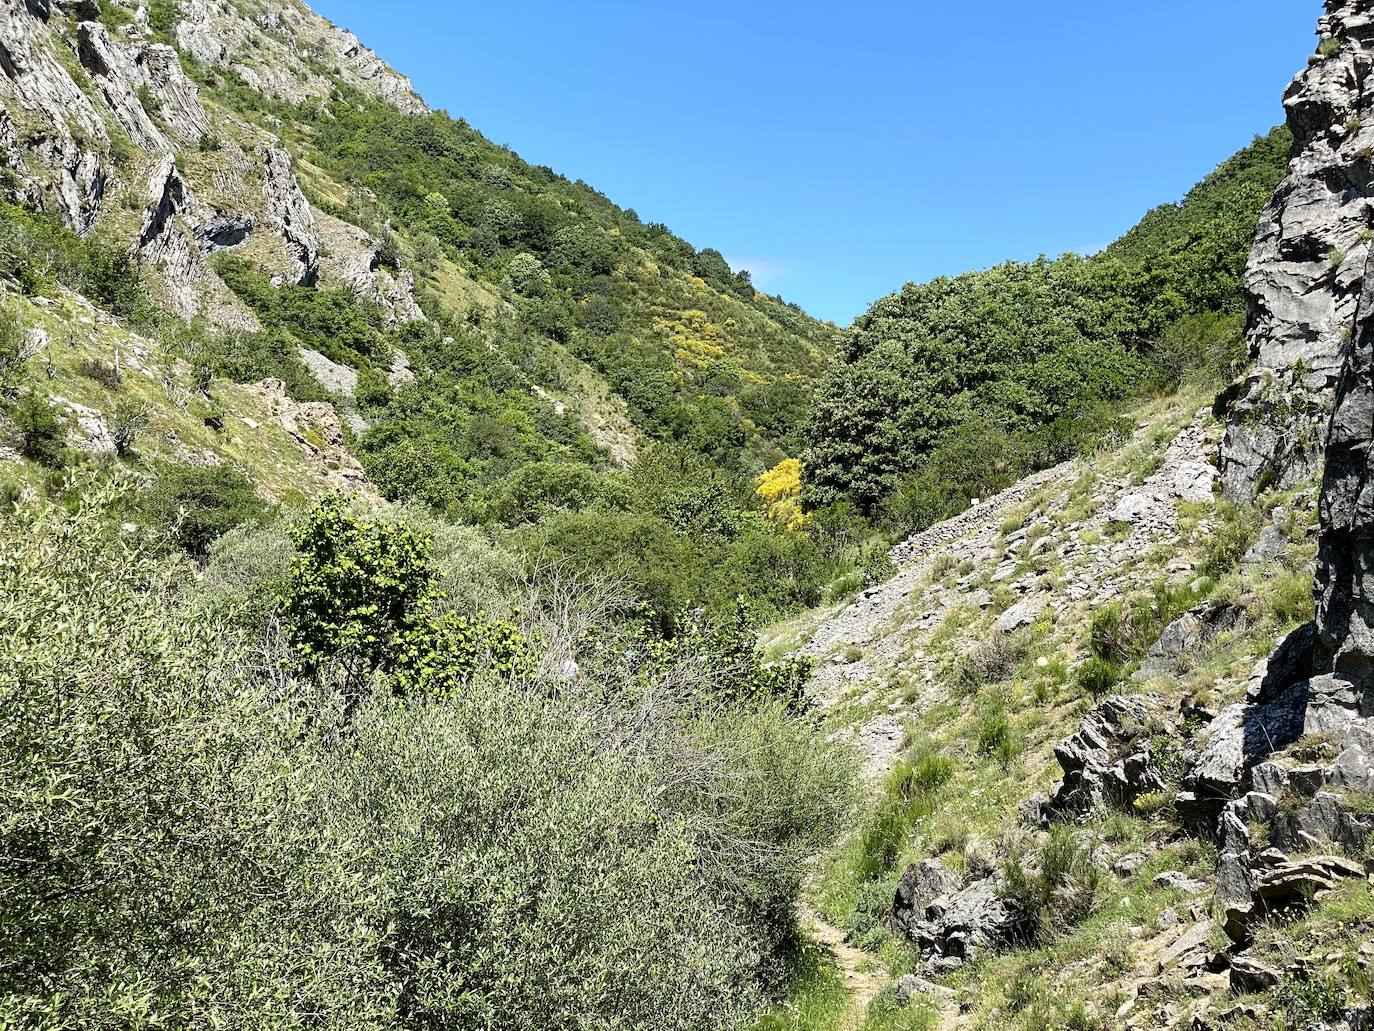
[[840, 149]]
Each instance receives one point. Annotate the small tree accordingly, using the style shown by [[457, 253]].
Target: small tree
[[129, 420], [40, 434], [362, 598], [17, 346]]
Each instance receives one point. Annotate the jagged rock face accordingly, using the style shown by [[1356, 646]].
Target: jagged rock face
[[120, 71], [351, 256], [1303, 278], [50, 122], [1109, 759], [1342, 693], [291, 216], [178, 231], [276, 52]]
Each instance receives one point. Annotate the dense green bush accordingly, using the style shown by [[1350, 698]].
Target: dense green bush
[[38, 251], [39, 433], [196, 504], [511, 857], [951, 389]]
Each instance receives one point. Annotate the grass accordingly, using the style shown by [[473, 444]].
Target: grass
[[82, 372], [817, 999]]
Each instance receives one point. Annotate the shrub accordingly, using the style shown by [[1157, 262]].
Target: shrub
[[105, 373], [41, 437], [16, 346], [254, 864], [1054, 889], [126, 424], [988, 662], [195, 505], [1096, 677], [1236, 529]]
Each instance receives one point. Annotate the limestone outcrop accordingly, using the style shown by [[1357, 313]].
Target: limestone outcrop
[[1304, 274], [278, 52]]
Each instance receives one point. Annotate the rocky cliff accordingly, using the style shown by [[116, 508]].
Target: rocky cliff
[[1304, 275], [96, 122]]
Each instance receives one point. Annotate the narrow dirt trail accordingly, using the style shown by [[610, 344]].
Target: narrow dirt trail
[[863, 975]]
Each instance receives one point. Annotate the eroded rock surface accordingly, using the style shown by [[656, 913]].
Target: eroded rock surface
[[1304, 273]]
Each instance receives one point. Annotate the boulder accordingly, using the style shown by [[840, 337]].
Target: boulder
[[961, 925], [1239, 738], [911, 987], [1271, 546], [1022, 614], [1131, 508], [1181, 882], [1108, 757], [921, 884], [1249, 976], [1189, 634]]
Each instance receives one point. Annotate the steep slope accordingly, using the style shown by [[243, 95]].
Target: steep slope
[[1121, 774], [194, 131]]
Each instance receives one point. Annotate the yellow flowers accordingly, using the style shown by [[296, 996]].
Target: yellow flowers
[[780, 488]]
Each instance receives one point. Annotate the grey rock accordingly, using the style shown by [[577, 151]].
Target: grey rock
[[1189, 634], [1022, 614], [1132, 508], [62, 157], [1323, 821], [1188, 950], [910, 987], [1194, 481], [1240, 737], [1107, 759], [921, 884], [277, 52], [1177, 881], [1250, 976], [1269, 547], [291, 216], [959, 926], [1130, 864]]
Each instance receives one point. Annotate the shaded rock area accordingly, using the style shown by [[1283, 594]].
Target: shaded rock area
[[1109, 758], [1304, 273], [952, 925], [1187, 635]]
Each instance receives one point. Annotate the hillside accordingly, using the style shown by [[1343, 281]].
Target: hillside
[[1115, 716], [434, 598]]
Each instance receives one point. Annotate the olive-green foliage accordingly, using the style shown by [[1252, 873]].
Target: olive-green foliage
[[1055, 888], [14, 346], [1020, 347], [195, 504], [39, 435], [1097, 676], [192, 838], [246, 357], [38, 251]]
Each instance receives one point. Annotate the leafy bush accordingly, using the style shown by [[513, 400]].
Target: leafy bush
[[1097, 676], [1236, 529], [40, 435], [195, 504], [256, 863]]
